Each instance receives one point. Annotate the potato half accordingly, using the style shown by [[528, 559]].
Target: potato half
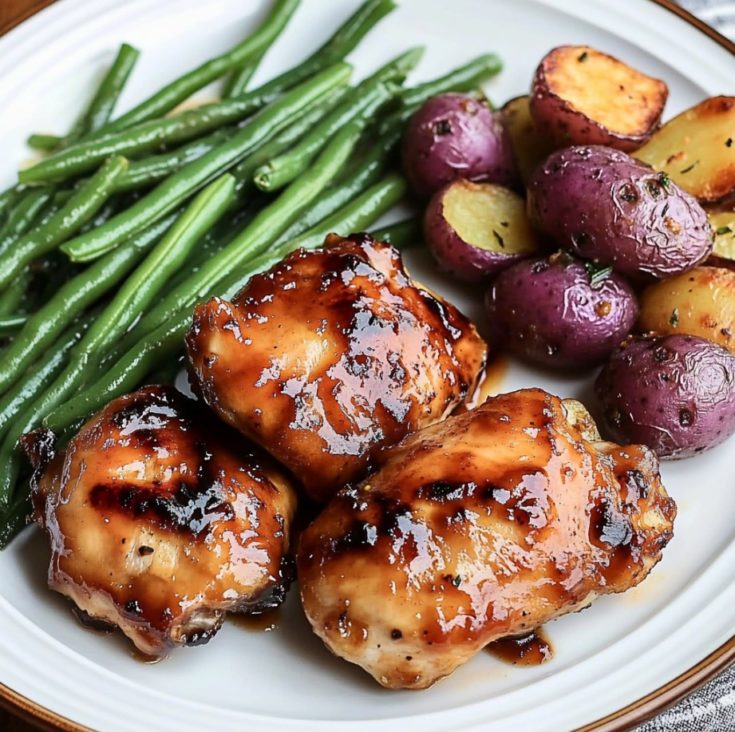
[[477, 229], [723, 251], [529, 147], [696, 149], [581, 96], [699, 303]]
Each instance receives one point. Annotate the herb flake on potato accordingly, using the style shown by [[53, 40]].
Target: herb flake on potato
[[696, 149]]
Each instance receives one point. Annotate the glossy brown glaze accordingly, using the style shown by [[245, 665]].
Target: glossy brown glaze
[[332, 355], [161, 519], [531, 649], [484, 526]]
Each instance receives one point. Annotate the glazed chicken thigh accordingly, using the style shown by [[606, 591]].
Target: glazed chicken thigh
[[332, 355], [161, 519], [484, 526]]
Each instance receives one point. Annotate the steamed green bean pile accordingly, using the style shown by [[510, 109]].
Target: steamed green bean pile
[[127, 222]]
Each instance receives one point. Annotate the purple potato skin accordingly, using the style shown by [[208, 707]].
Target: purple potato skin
[[455, 136], [547, 311], [674, 393], [456, 256], [609, 208]]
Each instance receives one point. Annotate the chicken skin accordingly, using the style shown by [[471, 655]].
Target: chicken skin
[[332, 355], [484, 526], [161, 519]]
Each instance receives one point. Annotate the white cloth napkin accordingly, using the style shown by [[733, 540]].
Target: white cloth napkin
[[711, 708]]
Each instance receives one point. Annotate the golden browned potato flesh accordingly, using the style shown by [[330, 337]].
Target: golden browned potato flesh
[[700, 302], [483, 526], [529, 146], [696, 149], [161, 519], [332, 355], [581, 96], [723, 250]]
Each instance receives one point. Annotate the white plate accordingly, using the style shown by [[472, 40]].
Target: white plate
[[607, 657]]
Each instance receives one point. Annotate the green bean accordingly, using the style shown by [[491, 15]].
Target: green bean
[[44, 142], [154, 272], [79, 209], [237, 82], [113, 205], [347, 36], [462, 79], [177, 187], [39, 222], [149, 135], [46, 368], [244, 171], [285, 168], [10, 324], [239, 78], [402, 234], [100, 108], [177, 91], [103, 104], [150, 170], [13, 295], [356, 178], [10, 454], [162, 344], [25, 212], [165, 341], [44, 326], [87, 155], [365, 99], [167, 372], [216, 239], [15, 519], [359, 213], [341, 43], [23, 215], [259, 234], [8, 199], [135, 295]]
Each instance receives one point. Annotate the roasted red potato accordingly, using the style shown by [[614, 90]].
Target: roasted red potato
[[477, 229], [454, 136], [696, 149], [700, 303], [581, 96], [674, 393], [560, 312], [530, 148], [612, 209], [723, 250]]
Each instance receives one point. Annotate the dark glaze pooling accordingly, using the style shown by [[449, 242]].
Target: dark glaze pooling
[[484, 526], [332, 355], [161, 518], [531, 649], [261, 623]]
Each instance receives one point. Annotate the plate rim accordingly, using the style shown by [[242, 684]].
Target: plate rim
[[624, 718]]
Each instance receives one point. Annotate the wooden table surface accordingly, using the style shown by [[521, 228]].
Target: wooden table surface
[[13, 12]]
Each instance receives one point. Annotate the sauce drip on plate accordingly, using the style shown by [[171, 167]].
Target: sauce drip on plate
[[261, 623], [492, 379], [524, 650]]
